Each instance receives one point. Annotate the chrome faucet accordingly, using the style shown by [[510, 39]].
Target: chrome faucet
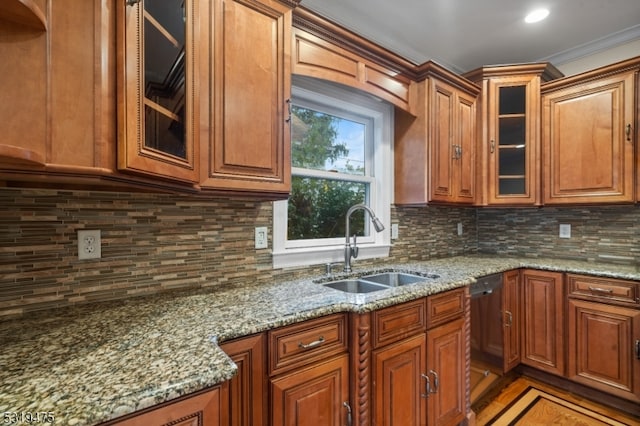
[[350, 251]]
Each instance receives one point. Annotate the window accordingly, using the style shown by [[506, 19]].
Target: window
[[341, 155]]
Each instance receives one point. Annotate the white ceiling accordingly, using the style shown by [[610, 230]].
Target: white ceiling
[[465, 34]]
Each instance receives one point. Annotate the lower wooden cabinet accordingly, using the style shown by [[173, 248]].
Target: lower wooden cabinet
[[399, 382], [543, 332], [420, 378], [511, 319], [313, 395], [198, 410], [248, 388], [447, 372]]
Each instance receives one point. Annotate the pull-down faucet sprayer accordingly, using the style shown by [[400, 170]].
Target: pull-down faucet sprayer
[[352, 252]]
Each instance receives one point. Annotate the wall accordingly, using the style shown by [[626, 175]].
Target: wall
[[599, 234], [153, 243]]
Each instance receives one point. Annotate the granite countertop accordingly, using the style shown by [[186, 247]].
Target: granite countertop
[[93, 363]]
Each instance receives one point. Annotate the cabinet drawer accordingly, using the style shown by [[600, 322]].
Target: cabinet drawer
[[397, 322], [604, 289], [444, 307], [299, 344]]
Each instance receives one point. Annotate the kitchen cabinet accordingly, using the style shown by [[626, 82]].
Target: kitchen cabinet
[[309, 373], [435, 151], [604, 335], [509, 155], [246, 120], [589, 136], [419, 363], [23, 12], [511, 319], [247, 389], [543, 328], [201, 409], [159, 65]]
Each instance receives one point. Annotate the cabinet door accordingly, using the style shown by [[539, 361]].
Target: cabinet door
[[247, 389], [602, 347], [453, 114], [513, 131], [589, 141], [249, 136], [312, 396], [201, 409], [399, 389], [446, 368], [543, 328], [511, 301], [159, 76]]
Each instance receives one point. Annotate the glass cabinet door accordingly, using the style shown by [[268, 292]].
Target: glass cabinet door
[[157, 61], [511, 140]]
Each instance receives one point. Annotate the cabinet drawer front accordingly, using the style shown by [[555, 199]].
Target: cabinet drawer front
[[603, 289], [397, 322], [300, 344], [445, 307]]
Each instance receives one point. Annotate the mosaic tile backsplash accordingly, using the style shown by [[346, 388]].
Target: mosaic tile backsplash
[[153, 243]]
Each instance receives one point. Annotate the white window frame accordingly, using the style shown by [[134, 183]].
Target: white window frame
[[349, 103]]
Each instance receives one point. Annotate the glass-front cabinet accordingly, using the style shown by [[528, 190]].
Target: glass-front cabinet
[[158, 79], [510, 146]]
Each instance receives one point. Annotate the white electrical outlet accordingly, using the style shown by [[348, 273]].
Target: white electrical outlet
[[261, 237], [89, 244], [459, 228], [565, 230], [394, 231]]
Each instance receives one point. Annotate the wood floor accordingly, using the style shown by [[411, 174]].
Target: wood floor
[[554, 407]]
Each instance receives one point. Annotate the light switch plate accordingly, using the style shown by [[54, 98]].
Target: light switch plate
[[394, 231], [261, 238], [459, 228], [565, 230]]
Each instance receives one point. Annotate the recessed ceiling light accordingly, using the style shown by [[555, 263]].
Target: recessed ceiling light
[[536, 16]]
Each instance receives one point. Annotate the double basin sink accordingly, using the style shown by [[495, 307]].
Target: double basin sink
[[377, 282]]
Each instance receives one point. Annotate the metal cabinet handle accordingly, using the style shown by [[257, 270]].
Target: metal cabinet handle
[[312, 344], [349, 416], [288, 119], [628, 132], [637, 349], [455, 152], [509, 322], [436, 381], [427, 386], [493, 146], [600, 290]]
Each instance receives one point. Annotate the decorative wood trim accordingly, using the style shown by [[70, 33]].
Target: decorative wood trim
[[361, 366], [588, 76], [23, 12], [546, 70]]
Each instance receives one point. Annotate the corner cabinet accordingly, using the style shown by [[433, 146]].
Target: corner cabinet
[[435, 151], [509, 158], [589, 136], [246, 121]]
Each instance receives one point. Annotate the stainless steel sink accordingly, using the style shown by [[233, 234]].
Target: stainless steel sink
[[377, 282], [394, 279], [356, 286]]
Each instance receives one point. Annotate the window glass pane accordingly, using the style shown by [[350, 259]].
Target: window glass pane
[[317, 208], [512, 186], [322, 141], [512, 131], [512, 162]]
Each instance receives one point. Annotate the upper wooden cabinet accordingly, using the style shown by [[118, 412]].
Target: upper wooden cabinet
[[435, 151], [246, 134], [589, 136], [158, 48], [509, 156]]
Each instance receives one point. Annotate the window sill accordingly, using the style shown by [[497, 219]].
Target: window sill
[[322, 255]]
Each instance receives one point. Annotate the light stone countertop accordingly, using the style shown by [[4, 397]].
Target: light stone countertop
[[93, 363]]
